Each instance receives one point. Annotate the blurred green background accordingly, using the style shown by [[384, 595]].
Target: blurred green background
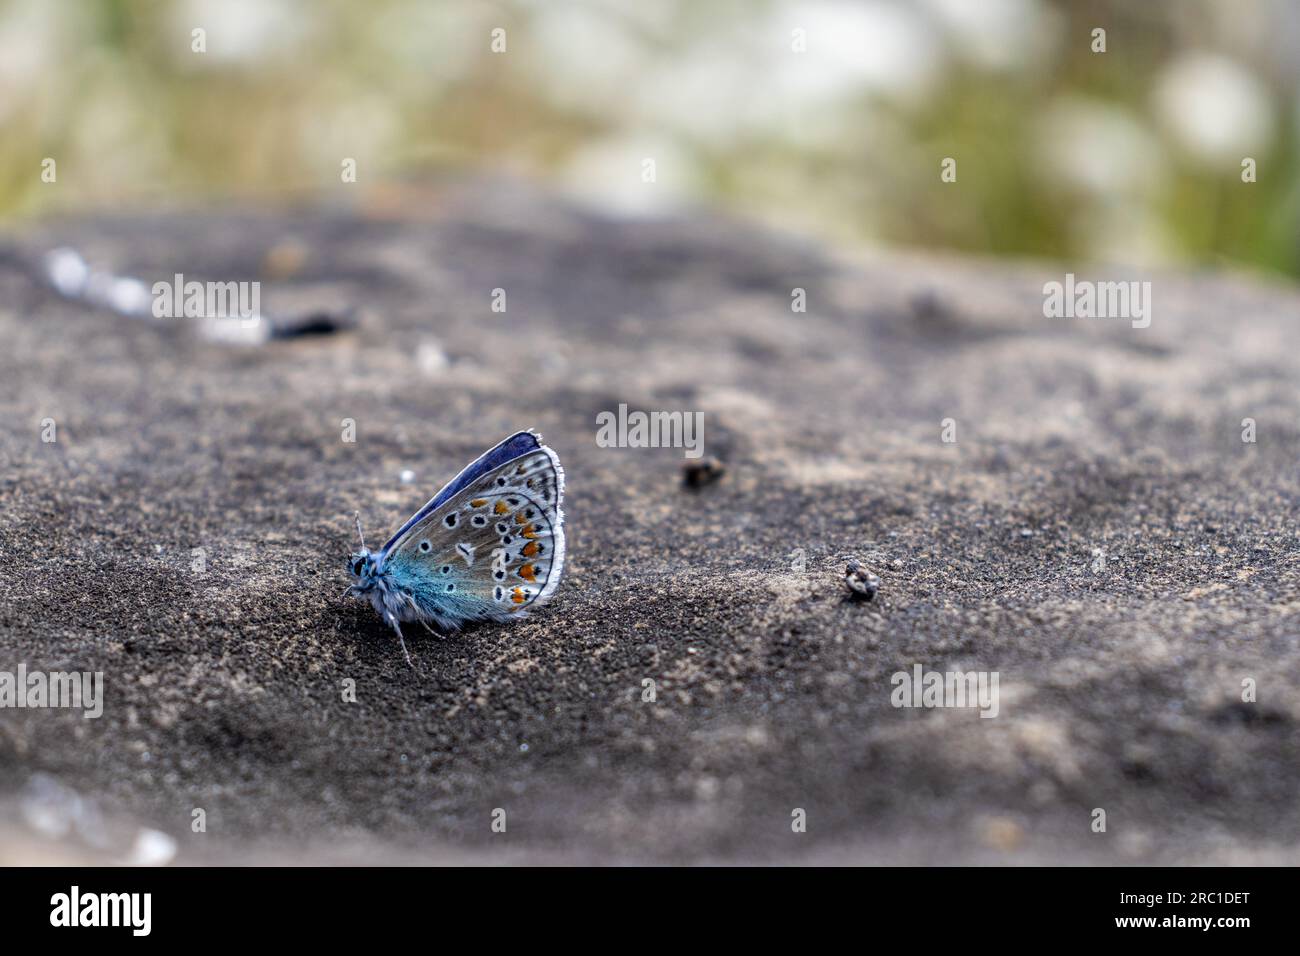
[[1130, 156]]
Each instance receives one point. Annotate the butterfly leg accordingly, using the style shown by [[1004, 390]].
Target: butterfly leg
[[397, 627]]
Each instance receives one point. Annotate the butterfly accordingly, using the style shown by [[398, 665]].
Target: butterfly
[[488, 547]]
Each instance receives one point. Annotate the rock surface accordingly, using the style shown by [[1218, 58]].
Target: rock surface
[[1098, 534]]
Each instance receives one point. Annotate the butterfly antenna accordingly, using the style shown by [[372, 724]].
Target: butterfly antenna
[[359, 534]]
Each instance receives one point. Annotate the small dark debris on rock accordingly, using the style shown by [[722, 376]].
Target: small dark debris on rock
[[860, 582], [929, 305], [320, 322], [697, 474]]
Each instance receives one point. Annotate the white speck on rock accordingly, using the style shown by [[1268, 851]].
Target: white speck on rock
[[67, 271], [151, 848]]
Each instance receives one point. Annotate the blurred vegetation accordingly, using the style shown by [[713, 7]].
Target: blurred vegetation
[[1130, 156]]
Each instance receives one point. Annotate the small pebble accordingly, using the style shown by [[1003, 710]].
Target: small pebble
[[151, 848], [284, 259], [67, 271], [1001, 833], [430, 357], [929, 305], [128, 296], [697, 474], [407, 476], [235, 329], [860, 582]]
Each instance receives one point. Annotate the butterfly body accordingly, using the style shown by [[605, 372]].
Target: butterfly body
[[488, 547]]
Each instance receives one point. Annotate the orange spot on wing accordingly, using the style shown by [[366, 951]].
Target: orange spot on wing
[[529, 549], [528, 573], [517, 595], [519, 518], [528, 532], [501, 508], [478, 503]]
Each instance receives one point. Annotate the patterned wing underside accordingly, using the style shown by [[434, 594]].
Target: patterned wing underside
[[494, 549]]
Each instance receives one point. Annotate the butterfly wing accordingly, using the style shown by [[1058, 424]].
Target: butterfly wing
[[520, 443], [492, 546]]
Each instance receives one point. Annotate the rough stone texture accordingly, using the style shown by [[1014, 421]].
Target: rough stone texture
[[1120, 688]]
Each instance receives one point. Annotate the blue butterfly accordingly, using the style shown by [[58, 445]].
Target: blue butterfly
[[488, 547]]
